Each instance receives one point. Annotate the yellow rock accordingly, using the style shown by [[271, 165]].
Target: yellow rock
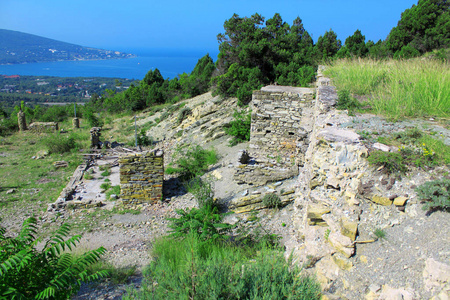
[[381, 200], [342, 262], [349, 229], [400, 201], [363, 259], [371, 296]]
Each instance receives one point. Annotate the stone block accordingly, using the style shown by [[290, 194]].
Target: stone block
[[381, 200]]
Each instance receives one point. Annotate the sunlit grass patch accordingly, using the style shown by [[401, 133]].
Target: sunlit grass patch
[[397, 88]]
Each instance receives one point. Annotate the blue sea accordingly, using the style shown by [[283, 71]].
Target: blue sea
[[170, 62]]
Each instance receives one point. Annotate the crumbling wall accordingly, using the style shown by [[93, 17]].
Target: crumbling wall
[[277, 112], [142, 177], [40, 127]]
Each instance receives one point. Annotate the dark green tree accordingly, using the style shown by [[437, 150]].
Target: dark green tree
[[423, 27], [252, 55], [355, 45], [327, 45]]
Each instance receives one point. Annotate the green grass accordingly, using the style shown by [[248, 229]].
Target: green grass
[[379, 233], [36, 181], [397, 88], [192, 162], [192, 269], [416, 148]]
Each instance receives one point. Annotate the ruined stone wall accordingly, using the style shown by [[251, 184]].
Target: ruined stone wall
[[40, 127], [142, 177], [276, 119]]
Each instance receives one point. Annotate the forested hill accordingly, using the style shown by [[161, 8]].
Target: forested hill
[[18, 47]]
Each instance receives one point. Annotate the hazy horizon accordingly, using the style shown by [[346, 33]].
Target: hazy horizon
[[192, 26]]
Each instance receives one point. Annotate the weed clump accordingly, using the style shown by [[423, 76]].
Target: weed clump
[[435, 194], [193, 162], [58, 143], [239, 127], [271, 200], [346, 101], [379, 233], [391, 161], [183, 114]]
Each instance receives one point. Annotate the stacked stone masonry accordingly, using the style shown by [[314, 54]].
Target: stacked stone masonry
[[40, 127], [142, 177], [276, 119]]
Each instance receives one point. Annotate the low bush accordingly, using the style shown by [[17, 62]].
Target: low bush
[[206, 223], [346, 101], [114, 190], [271, 200], [193, 269], [239, 128], [143, 139], [435, 194], [391, 161], [379, 233], [50, 273], [60, 143], [192, 162], [202, 191], [183, 114]]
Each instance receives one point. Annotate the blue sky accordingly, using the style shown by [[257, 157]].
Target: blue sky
[[127, 25]]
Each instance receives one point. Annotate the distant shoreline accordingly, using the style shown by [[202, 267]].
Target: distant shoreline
[[59, 60]]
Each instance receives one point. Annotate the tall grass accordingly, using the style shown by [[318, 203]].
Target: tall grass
[[397, 88], [192, 269]]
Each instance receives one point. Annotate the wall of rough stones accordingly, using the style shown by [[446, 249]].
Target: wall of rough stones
[[40, 127], [276, 114], [142, 177]]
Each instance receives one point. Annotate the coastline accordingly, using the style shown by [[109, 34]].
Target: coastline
[[60, 60]]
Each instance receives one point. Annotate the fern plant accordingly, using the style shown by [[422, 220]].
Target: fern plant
[[50, 273]]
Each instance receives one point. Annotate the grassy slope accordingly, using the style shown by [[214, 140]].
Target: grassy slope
[[397, 88]]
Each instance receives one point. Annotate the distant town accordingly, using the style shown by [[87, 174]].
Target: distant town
[[48, 89]]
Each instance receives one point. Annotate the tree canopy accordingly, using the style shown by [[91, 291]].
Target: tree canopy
[[422, 28], [254, 52]]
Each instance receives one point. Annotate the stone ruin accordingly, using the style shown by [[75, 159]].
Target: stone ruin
[[278, 135], [21, 120], [41, 127], [95, 137], [142, 177]]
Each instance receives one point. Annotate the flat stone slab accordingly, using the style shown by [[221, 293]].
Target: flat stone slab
[[287, 89], [333, 134]]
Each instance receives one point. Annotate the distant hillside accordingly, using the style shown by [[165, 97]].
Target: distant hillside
[[18, 47]]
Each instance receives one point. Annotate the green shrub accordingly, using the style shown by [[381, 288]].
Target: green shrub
[[50, 273], [106, 173], [105, 186], [202, 191], [391, 161], [435, 194], [193, 269], [239, 128], [205, 222], [193, 162], [60, 143], [115, 189], [184, 113], [143, 139], [271, 200], [346, 101]]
